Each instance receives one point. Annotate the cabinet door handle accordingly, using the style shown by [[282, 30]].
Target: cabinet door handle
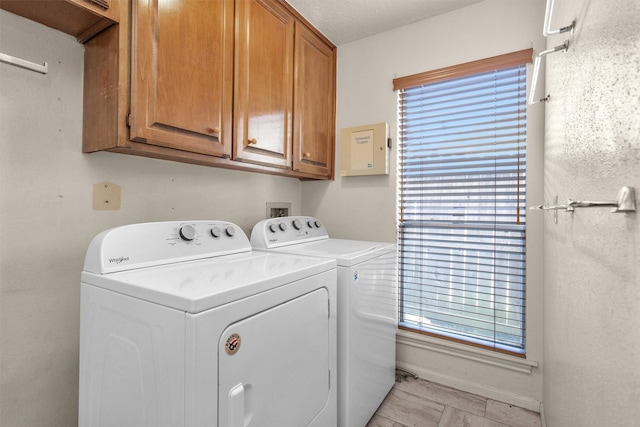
[[215, 131], [253, 141], [306, 155]]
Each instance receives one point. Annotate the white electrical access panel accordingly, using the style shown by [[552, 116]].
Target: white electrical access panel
[[365, 150]]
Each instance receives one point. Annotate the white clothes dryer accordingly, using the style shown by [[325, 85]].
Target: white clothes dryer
[[182, 324], [367, 308]]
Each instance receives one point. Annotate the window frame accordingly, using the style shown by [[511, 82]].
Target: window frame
[[518, 58]]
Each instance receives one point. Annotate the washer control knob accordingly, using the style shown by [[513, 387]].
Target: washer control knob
[[297, 224], [273, 228], [230, 231], [187, 232], [282, 226], [310, 224], [316, 223], [215, 231]]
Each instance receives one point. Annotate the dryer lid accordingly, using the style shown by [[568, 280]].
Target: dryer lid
[[189, 265], [196, 286]]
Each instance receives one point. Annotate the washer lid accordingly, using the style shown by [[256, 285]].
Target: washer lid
[[195, 286], [345, 252]]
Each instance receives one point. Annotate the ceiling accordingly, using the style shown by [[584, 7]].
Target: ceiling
[[344, 21]]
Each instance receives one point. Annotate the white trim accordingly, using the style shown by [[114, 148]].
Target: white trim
[[466, 352], [469, 387]]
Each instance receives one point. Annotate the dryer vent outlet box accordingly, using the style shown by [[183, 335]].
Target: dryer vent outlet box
[[277, 210]]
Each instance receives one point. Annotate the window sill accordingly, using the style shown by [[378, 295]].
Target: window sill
[[500, 360]]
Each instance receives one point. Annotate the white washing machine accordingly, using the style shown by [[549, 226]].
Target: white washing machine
[[182, 324], [367, 308]]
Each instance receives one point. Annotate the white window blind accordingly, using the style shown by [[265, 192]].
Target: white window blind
[[462, 176]]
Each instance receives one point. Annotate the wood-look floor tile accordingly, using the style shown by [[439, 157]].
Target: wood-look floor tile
[[468, 402], [380, 421], [453, 417], [512, 415], [410, 410]]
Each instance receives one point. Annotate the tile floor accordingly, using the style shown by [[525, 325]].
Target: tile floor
[[419, 403]]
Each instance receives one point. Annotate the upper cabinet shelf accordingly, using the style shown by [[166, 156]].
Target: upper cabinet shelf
[[82, 19]]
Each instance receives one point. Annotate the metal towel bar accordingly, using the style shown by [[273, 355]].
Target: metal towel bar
[[546, 30], [12, 60], [626, 202], [536, 70]]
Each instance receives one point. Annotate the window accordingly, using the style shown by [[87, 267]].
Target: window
[[462, 192]]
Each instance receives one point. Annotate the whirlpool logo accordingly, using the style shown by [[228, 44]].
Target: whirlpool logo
[[118, 260]]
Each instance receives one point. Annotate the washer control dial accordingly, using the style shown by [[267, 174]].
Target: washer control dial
[[273, 228], [297, 224], [282, 226], [187, 232], [230, 231], [215, 231]]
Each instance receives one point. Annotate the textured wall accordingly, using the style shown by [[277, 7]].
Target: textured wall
[[592, 258], [47, 219]]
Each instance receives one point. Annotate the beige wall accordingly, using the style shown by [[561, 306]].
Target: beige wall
[[592, 257], [47, 219], [591, 283], [364, 207]]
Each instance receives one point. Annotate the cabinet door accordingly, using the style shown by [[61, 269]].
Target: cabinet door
[[181, 77], [314, 106], [263, 83]]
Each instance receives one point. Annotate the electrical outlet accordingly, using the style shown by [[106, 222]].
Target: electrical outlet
[[276, 209]]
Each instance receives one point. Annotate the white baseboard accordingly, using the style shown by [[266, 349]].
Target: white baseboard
[[457, 383], [542, 420]]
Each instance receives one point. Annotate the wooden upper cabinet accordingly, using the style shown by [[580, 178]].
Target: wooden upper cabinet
[[314, 105], [181, 75], [244, 84], [263, 83]]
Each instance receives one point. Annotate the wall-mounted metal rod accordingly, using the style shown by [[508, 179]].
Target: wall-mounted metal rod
[[536, 71], [573, 204], [626, 202], [549, 207], [7, 59], [546, 30]]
